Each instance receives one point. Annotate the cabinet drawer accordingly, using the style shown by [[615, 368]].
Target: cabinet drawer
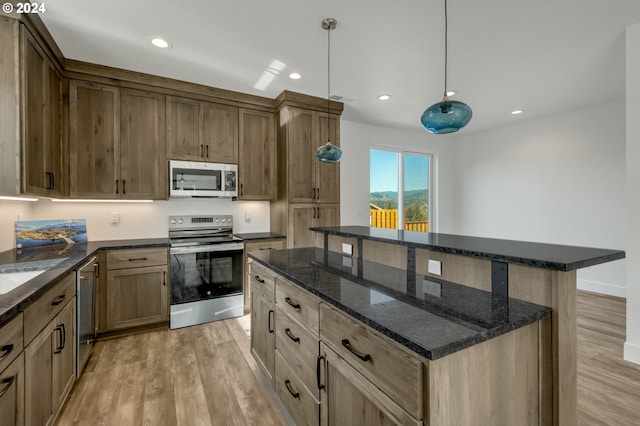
[[301, 406], [38, 314], [262, 279], [11, 341], [264, 245], [136, 258], [299, 348], [299, 304], [382, 361], [12, 393]]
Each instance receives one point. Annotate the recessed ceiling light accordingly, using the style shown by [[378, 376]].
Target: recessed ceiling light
[[384, 97], [517, 111], [161, 43], [295, 76], [451, 92]]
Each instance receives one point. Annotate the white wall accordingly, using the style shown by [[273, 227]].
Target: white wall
[[559, 179], [10, 211], [356, 139], [632, 345], [149, 220]]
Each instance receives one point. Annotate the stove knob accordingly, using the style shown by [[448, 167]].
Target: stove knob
[[173, 221], [180, 221], [217, 220], [229, 219]]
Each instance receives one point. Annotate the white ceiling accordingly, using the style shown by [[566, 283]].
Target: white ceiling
[[541, 56]]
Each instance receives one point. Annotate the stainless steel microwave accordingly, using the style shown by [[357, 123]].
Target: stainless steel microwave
[[198, 179]]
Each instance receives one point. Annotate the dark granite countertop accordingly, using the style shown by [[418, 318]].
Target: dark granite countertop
[[55, 262], [260, 236], [538, 255], [397, 304]]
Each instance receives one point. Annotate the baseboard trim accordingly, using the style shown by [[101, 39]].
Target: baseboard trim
[[632, 352], [602, 288]]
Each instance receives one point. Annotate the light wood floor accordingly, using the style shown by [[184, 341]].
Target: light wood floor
[[608, 386], [201, 375], [204, 375]]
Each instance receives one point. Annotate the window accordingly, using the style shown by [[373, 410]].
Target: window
[[399, 195]]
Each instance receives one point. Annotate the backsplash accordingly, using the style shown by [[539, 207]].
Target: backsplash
[[136, 220]]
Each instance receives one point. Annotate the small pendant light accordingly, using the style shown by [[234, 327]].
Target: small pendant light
[[329, 153], [446, 116]]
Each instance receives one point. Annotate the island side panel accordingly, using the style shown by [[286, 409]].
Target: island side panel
[[492, 383]]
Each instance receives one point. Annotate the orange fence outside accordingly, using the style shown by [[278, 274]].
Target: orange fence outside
[[389, 219]]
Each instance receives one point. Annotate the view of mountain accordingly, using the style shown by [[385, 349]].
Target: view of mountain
[[416, 203]]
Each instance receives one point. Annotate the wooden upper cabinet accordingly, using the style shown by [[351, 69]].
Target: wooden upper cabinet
[[42, 159], [257, 165], [117, 142], [201, 131], [327, 176], [143, 161], [220, 135], [310, 180], [183, 129], [300, 140], [94, 139]]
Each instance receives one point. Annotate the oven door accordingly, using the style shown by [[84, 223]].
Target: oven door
[[206, 272]]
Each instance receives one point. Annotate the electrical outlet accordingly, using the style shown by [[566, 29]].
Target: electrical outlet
[[347, 261], [434, 267], [115, 217], [432, 288], [347, 249], [247, 216]]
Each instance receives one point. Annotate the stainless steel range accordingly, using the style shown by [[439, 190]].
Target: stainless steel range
[[206, 270]]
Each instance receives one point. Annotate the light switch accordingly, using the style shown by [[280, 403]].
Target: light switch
[[434, 267], [347, 248], [115, 217]]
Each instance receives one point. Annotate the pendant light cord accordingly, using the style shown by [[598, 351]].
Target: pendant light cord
[[328, 84], [446, 47]]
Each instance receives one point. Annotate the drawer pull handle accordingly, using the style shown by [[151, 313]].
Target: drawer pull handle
[[6, 350], [61, 345], [287, 331], [138, 259], [318, 366], [59, 300], [260, 280], [270, 321], [293, 393], [295, 306], [363, 357], [8, 382]]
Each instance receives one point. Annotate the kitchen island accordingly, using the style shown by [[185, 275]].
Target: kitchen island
[[393, 347], [544, 274]]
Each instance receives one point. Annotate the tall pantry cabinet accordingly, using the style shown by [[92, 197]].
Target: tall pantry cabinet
[[308, 192]]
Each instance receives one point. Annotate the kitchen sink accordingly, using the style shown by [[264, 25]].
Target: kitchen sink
[[14, 275]]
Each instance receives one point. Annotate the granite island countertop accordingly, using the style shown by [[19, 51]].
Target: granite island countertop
[[538, 255], [55, 262], [399, 305]]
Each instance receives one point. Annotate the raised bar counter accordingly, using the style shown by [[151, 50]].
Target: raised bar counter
[[386, 299]]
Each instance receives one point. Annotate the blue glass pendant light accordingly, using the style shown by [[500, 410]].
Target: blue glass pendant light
[[446, 116], [329, 153]]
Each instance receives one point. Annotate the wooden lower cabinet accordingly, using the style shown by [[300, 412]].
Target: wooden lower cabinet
[[50, 367], [137, 296], [301, 406], [263, 332], [348, 398], [304, 216], [270, 244], [12, 393]]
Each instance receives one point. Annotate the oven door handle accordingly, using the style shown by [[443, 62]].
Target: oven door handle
[[207, 248]]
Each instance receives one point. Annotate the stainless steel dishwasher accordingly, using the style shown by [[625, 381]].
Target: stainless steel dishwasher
[[86, 277]]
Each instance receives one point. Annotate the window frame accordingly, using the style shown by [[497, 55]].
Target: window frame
[[433, 183]]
